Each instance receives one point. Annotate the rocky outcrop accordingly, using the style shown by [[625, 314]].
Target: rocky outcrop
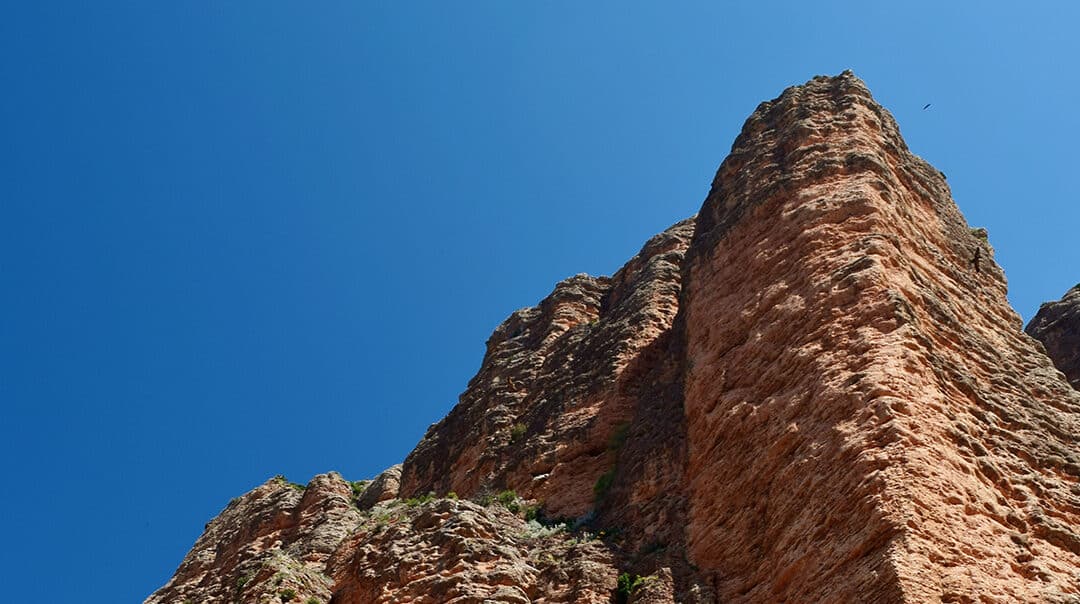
[[815, 391], [448, 550], [1057, 326], [271, 545], [385, 486], [557, 388]]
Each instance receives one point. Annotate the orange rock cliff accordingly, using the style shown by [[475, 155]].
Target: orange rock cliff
[[814, 391]]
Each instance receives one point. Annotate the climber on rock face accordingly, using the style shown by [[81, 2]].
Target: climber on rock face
[[975, 259]]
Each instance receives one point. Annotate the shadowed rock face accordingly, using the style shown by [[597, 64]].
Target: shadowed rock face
[[809, 393], [1057, 326]]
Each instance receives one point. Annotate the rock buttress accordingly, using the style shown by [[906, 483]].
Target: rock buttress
[[865, 419]]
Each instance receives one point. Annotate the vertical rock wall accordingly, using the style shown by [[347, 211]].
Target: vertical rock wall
[[866, 421]]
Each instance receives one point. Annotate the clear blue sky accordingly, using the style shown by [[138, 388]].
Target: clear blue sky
[[240, 239]]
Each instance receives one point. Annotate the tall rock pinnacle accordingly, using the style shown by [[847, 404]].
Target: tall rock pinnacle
[[814, 391], [866, 421]]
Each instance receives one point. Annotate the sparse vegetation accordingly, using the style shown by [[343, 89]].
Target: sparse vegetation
[[532, 512], [421, 500], [587, 536], [981, 233], [383, 518], [627, 584], [603, 484], [313, 601], [484, 497], [281, 478], [517, 432], [618, 437], [358, 487], [509, 500], [535, 530], [452, 495], [287, 594]]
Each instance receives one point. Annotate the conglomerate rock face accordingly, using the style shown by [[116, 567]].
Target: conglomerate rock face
[[449, 550], [557, 387], [273, 541], [815, 391], [1057, 326], [866, 421]]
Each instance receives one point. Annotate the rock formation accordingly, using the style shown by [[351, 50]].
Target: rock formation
[[812, 392], [272, 541], [1057, 326]]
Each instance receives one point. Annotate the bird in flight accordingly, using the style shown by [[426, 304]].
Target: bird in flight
[[926, 106]]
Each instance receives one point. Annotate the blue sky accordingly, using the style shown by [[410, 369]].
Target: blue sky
[[240, 239]]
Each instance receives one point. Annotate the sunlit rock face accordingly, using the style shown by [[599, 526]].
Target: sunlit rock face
[[813, 391], [865, 419]]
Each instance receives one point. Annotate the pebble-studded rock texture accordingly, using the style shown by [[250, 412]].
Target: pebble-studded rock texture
[[815, 391], [271, 543], [1057, 326], [449, 550], [865, 419], [557, 387]]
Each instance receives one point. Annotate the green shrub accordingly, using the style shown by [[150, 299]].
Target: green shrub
[[509, 500], [313, 601], [421, 500], [452, 495], [603, 484], [358, 487], [384, 518], [532, 512], [287, 594], [627, 584], [281, 478], [484, 498], [517, 432], [981, 233]]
